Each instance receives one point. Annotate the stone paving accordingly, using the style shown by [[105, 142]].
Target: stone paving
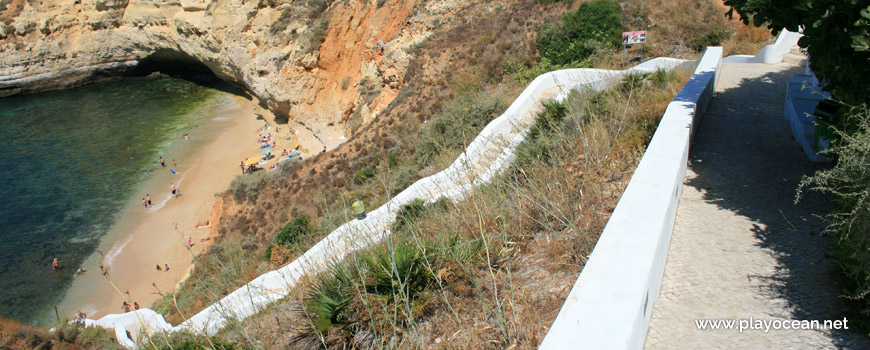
[[741, 248]]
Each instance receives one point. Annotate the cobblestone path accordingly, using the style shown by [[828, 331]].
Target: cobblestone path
[[741, 248]]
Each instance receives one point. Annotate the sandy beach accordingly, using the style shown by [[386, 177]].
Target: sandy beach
[[142, 239]]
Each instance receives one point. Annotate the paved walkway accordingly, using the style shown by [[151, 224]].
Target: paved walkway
[[741, 248]]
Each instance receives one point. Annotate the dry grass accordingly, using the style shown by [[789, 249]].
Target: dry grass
[[499, 264]]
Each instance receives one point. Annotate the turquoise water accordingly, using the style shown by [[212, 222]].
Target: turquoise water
[[70, 160]]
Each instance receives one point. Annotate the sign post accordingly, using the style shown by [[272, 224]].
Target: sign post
[[629, 38]]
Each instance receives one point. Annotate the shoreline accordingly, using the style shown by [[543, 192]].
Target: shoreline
[[141, 239]]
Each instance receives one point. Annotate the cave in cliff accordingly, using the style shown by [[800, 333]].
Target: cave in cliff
[[178, 64]]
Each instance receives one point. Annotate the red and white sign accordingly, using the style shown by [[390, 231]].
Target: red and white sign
[[634, 37]]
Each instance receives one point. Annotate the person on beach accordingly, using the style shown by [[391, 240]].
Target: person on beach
[[189, 243], [135, 305], [55, 265], [159, 268], [162, 162], [148, 198], [166, 267], [244, 169], [173, 163], [80, 317], [145, 203], [125, 306], [177, 192], [172, 188]]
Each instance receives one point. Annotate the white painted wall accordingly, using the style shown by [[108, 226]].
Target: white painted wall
[[802, 95], [488, 154], [770, 54], [610, 305]]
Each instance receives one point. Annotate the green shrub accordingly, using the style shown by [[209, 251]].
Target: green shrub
[[247, 186], [364, 174], [458, 122], [402, 177], [581, 33], [299, 227], [547, 121], [99, 337], [849, 182], [399, 272], [710, 36], [328, 299], [409, 214]]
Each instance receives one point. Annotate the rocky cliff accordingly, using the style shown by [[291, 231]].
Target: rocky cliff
[[320, 62]]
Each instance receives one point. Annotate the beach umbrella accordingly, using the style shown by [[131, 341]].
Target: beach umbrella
[[253, 160], [266, 151]]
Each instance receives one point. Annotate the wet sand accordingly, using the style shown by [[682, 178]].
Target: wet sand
[[142, 239]]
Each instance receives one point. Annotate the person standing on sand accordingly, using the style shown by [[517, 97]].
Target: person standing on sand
[[135, 305], [148, 198], [159, 268], [173, 163], [125, 307], [55, 265], [166, 267], [172, 188], [162, 162]]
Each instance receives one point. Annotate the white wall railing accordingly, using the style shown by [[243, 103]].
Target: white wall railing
[[770, 54], [610, 305]]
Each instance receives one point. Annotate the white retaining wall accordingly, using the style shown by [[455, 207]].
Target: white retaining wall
[[802, 95], [770, 54], [610, 305], [488, 154]]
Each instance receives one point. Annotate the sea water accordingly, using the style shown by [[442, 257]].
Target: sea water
[[69, 161]]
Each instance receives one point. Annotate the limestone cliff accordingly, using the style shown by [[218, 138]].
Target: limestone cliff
[[320, 62]]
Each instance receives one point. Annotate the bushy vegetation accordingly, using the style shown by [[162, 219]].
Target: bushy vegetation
[[595, 26], [458, 122], [247, 187], [16, 335], [849, 182]]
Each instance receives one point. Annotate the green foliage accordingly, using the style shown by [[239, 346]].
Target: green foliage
[[318, 34], [545, 124], [399, 272], [299, 227], [457, 123], [402, 177], [594, 26], [364, 174], [661, 78], [632, 81], [836, 36], [712, 36], [849, 181], [99, 337], [189, 341], [525, 73], [409, 214], [328, 299], [247, 186]]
